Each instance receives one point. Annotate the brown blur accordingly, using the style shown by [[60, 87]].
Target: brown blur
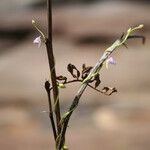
[[82, 31]]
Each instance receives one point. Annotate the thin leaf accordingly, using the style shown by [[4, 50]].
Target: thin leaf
[[138, 36]]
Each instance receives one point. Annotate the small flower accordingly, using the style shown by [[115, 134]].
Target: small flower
[[111, 61], [38, 41]]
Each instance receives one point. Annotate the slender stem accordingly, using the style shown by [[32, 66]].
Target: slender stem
[[51, 114], [52, 64], [73, 106]]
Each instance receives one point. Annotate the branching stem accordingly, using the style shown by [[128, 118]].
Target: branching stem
[[84, 84]]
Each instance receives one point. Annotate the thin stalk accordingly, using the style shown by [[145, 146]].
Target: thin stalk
[[50, 109], [73, 106], [51, 61]]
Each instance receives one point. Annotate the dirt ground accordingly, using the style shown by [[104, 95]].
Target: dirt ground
[[81, 34]]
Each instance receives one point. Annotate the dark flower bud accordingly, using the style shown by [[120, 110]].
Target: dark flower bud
[[47, 85]]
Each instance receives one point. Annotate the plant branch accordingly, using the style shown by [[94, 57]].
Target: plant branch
[[84, 84], [52, 64], [101, 91], [47, 88]]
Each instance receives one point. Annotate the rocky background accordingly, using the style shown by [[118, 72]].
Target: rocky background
[[82, 31]]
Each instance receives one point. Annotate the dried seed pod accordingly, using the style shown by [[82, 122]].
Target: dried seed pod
[[105, 89], [97, 79], [62, 78], [73, 70], [85, 71], [113, 90]]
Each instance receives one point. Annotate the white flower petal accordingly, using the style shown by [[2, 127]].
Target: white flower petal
[[37, 40], [111, 61]]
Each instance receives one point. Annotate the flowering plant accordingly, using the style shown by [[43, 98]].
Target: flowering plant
[[88, 76]]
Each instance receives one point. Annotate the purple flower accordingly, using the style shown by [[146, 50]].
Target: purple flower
[[38, 41], [111, 61]]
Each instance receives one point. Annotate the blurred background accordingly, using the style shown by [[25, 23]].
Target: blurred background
[[82, 30]]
